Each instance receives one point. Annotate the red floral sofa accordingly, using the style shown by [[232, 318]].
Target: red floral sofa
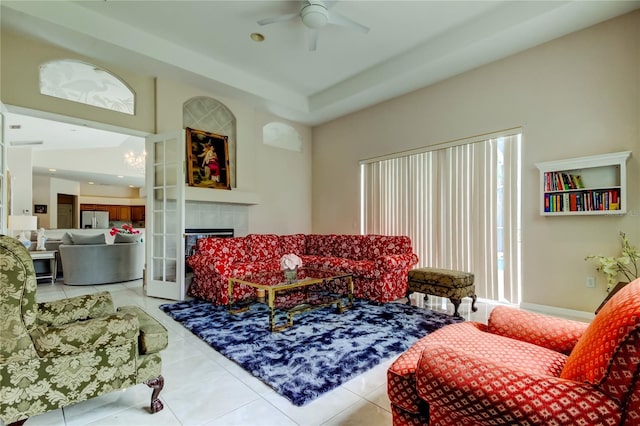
[[379, 263], [526, 369]]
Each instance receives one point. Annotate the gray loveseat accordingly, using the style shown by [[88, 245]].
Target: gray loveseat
[[88, 264]]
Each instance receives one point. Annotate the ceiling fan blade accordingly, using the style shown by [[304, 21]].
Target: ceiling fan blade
[[280, 18], [343, 21], [312, 39]]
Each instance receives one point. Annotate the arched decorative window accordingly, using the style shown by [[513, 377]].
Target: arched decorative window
[[281, 135], [87, 84], [211, 115]]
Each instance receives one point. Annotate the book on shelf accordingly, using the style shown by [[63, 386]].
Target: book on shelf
[[562, 181], [565, 202], [577, 201], [573, 202], [577, 181]]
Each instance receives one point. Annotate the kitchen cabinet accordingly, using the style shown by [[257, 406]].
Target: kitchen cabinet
[[138, 213], [124, 213]]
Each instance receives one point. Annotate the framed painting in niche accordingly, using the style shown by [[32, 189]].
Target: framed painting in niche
[[207, 159]]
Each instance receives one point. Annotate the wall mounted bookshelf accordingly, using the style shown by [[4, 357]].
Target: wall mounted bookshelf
[[594, 185]]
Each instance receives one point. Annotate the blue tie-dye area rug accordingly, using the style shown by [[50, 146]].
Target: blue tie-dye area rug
[[321, 351]]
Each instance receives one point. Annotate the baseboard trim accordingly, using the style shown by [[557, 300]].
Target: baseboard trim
[[560, 312]]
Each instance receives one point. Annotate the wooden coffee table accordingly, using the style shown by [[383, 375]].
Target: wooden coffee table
[[313, 287]]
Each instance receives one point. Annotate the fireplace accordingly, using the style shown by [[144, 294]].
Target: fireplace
[[191, 237]]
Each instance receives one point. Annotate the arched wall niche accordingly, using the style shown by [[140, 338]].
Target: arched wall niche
[[281, 135], [86, 83], [211, 115]]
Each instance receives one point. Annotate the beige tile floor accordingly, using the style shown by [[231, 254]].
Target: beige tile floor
[[202, 387]]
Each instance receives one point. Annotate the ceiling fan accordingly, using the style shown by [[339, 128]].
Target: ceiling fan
[[315, 14]]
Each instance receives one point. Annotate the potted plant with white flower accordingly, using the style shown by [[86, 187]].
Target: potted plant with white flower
[[290, 263], [623, 268]]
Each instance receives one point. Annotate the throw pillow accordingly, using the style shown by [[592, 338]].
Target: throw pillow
[[604, 340], [127, 238], [66, 239], [80, 239]]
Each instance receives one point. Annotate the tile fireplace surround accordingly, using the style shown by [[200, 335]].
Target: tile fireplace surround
[[200, 214]]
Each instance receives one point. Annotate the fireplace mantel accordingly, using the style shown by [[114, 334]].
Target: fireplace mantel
[[221, 196]]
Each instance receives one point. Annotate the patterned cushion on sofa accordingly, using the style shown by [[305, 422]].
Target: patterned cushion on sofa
[[226, 249], [320, 245], [241, 269], [381, 245], [292, 244], [342, 264], [602, 354], [263, 247], [350, 246]]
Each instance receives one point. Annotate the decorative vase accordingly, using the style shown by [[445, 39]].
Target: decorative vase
[[290, 275]]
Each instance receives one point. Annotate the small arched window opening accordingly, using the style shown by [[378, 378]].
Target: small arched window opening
[[281, 135], [87, 84]]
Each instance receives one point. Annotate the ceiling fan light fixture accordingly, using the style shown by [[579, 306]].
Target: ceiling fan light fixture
[[315, 15]]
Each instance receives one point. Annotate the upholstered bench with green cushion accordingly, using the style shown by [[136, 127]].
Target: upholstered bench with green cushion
[[443, 283]]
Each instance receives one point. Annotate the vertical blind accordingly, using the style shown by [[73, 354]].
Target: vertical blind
[[460, 205]]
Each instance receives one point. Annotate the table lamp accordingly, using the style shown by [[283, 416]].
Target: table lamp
[[23, 224]]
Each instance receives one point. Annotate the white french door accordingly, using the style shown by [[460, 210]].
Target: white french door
[[165, 215], [3, 176]]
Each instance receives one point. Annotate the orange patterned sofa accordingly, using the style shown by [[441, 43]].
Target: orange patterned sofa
[[526, 369], [379, 263]]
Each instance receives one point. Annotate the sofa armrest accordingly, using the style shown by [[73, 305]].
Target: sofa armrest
[[195, 260], [396, 261], [64, 311], [82, 336], [553, 333], [153, 336], [201, 263], [479, 389]]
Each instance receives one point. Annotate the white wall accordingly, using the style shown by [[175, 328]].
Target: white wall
[[19, 164], [60, 186], [280, 178], [575, 96], [41, 195]]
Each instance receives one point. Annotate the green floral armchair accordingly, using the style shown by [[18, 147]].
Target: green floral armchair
[[58, 353]]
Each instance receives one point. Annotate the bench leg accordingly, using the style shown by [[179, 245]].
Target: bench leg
[[456, 305]]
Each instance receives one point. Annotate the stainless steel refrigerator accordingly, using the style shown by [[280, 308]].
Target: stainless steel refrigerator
[[96, 220]]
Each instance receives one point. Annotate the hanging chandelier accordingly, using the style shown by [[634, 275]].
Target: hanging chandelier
[[135, 160]]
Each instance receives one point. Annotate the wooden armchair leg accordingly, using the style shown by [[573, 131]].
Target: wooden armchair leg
[[156, 384]]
